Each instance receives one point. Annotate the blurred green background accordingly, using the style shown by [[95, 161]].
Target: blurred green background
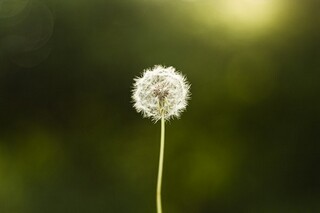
[[70, 140]]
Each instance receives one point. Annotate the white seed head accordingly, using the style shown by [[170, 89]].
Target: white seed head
[[160, 91]]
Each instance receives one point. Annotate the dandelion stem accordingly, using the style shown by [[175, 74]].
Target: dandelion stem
[[159, 206]]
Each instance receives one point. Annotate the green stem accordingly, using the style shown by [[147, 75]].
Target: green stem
[[159, 207]]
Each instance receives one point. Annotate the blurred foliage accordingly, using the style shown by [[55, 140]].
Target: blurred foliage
[[70, 140]]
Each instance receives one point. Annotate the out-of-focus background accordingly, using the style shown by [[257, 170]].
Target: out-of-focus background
[[70, 140]]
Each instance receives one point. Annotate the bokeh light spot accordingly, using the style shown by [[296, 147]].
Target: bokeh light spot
[[249, 14], [243, 18]]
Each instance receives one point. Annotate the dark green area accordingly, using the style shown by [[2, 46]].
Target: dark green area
[[70, 140]]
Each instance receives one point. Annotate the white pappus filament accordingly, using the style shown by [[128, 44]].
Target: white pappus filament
[[160, 91]]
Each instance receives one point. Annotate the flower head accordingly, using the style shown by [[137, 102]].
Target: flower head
[[160, 91]]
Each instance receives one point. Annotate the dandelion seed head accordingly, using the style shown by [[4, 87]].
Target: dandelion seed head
[[160, 91]]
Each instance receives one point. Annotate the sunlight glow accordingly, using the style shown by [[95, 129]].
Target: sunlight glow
[[248, 14], [242, 18]]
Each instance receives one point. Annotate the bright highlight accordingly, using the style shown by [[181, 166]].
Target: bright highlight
[[249, 14], [244, 18]]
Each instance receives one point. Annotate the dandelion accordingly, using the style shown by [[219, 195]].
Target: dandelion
[[161, 93]]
